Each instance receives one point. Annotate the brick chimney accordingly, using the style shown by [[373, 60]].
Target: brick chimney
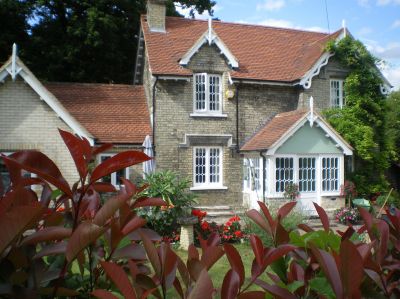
[[156, 10]]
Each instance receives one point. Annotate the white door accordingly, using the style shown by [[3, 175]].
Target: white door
[[308, 184]]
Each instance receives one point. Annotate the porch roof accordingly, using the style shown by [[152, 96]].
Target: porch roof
[[283, 125]]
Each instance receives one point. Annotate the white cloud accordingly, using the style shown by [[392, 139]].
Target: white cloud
[[363, 3], [390, 51], [271, 5], [186, 11], [396, 24], [392, 73], [288, 24], [387, 2]]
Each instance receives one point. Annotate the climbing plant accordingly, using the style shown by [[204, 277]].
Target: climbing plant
[[362, 120]]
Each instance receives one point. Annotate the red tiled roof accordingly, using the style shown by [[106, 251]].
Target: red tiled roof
[[111, 113], [264, 53], [275, 129]]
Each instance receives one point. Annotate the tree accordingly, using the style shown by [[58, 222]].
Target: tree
[[393, 123], [85, 41], [14, 26], [362, 121]]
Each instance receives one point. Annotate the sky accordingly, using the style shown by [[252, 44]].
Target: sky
[[374, 22]]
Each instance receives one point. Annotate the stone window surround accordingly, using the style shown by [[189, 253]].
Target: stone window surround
[[114, 174], [207, 185], [207, 112]]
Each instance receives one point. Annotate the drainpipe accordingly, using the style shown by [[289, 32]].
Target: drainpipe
[[237, 119], [154, 116], [264, 173]]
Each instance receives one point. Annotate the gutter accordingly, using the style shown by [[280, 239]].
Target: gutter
[[263, 176], [237, 119], [154, 116]]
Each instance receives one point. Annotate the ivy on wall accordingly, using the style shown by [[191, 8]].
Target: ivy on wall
[[362, 120]]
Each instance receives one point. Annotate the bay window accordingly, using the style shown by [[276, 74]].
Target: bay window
[[330, 174], [283, 173]]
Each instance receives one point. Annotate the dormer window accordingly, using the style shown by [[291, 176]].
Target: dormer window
[[337, 94], [207, 93]]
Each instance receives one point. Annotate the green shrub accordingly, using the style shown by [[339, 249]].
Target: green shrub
[[394, 199], [164, 220]]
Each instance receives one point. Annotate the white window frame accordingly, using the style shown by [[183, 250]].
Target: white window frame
[[340, 174], [333, 95], [207, 111], [318, 173], [207, 185], [114, 174]]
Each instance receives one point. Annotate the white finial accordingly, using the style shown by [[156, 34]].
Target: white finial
[[311, 111], [209, 30], [344, 27], [14, 62]]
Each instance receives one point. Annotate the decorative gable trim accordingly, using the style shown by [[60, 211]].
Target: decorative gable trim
[[317, 120], [19, 68], [210, 37]]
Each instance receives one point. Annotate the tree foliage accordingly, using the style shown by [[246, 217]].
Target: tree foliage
[[83, 41], [362, 120], [393, 122]]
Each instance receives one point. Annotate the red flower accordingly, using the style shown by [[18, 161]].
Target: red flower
[[229, 223], [204, 225], [234, 218], [238, 233]]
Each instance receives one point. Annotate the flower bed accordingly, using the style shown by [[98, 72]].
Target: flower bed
[[347, 215], [231, 231]]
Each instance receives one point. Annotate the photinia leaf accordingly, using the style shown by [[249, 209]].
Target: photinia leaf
[[131, 251], [74, 145], [383, 229], [102, 148], [351, 269], [194, 268], [183, 271], [151, 253], [38, 163], [328, 265], [322, 216], [133, 224], [276, 253], [211, 255], [257, 247], [169, 264], [275, 290], [148, 202], [322, 287], [85, 234], [252, 295], [120, 279], [271, 222], [286, 209], [118, 162], [109, 208], [103, 294], [178, 288], [203, 289], [230, 285], [152, 235], [103, 187], [305, 227], [235, 261], [52, 249], [46, 234], [259, 220], [14, 222]]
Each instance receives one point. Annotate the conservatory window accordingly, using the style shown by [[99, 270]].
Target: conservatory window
[[330, 174], [283, 173], [307, 174]]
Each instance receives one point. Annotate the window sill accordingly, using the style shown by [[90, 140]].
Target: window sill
[[208, 115], [208, 187]]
